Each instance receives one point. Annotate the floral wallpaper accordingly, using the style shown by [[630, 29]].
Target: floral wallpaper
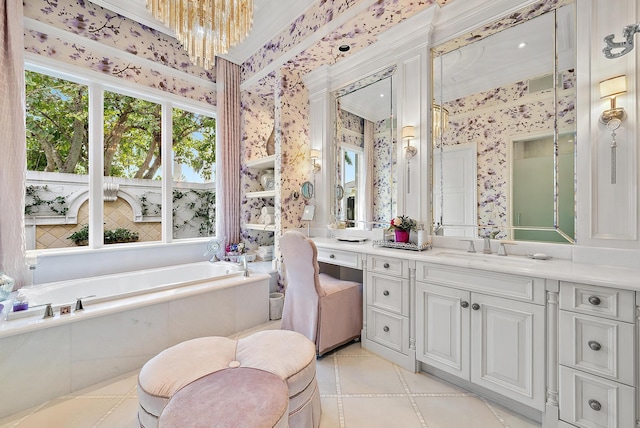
[[293, 162], [145, 52], [359, 32], [509, 110], [258, 118], [385, 182]]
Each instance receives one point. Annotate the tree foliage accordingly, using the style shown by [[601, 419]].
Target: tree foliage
[[57, 132]]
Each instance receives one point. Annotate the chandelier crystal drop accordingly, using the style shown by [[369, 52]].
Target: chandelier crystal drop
[[205, 28]]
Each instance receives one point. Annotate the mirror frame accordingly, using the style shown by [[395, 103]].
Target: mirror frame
[[482, 32], [389, 72]]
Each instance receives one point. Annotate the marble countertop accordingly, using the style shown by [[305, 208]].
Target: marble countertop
[[554, 268]]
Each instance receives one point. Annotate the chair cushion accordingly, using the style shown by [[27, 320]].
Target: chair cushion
[[332, 285], [229, 398]]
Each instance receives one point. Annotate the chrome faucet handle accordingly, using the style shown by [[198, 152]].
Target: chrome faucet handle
[[472, 248], [48, 311], [502, 249]]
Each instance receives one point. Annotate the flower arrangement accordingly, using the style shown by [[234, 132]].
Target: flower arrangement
[[402, 222]]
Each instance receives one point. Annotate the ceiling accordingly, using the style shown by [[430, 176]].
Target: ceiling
[[269, 18]]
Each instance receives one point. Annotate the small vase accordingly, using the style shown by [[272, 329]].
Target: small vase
[[6, 285], [402, 235], [267, 180]]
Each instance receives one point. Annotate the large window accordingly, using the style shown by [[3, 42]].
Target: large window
[[64, 147]]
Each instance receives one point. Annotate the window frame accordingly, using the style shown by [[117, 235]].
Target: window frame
[[97, 83]]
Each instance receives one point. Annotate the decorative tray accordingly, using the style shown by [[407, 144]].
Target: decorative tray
[[402, 245]]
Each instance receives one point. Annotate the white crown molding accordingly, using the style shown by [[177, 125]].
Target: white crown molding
[[32, 24]]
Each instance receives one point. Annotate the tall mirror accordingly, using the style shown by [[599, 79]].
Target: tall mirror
[[365, 152], [504, 129]]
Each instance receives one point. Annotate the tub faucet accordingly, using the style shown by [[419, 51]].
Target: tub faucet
[[243, 257]]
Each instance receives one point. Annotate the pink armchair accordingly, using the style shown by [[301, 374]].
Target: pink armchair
[[325, 309]]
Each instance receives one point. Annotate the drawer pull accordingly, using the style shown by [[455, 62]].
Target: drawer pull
[[595, 346], [331, 256], [475, 306], [594, 300], [464, 304], [595, 405], [385, 329], [385, 293], [386, 265]]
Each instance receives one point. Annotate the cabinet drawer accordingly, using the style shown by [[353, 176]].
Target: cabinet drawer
[[388, 293], [503, 285], [339, 257], [389, 266], [600, 301], [591, 401], [388, 329], [597, 345]]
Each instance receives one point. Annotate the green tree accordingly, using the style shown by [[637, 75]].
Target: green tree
[[57, 132]]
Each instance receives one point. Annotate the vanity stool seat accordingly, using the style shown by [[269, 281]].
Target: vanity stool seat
[[229, 398], [287, 354]]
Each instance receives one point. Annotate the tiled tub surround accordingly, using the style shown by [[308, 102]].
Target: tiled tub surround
[[501, 318], [41, 359]]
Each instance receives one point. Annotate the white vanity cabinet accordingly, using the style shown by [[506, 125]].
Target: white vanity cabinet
[[388, 309], [484, 327], [597, 337]]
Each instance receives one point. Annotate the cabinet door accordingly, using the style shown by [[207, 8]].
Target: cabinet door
[[443, 328], [507, 348]]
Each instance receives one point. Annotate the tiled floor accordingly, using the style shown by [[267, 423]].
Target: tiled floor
[[357, 389]]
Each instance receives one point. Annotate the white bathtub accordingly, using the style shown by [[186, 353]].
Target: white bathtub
[[122, 327], [118, 286]]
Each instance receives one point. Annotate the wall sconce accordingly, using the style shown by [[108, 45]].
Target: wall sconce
[[408, 132], [315, 155], [611, 88], [614, 116]]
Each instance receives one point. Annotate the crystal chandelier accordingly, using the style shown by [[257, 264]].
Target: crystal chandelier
[[440, 122], [205, 28]]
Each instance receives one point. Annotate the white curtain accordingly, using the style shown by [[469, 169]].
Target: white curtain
[[228, 150], [368, 154], [12, 124]]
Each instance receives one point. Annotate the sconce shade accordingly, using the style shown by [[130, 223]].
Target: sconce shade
[[611, 88], [408, 132], [614, 86], [315, 154]]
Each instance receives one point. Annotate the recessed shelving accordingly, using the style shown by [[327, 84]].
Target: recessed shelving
[[261, 194], [266, 162], [263, 227]]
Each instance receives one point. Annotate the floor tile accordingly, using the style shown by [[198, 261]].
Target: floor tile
[[70, 413], [454, 412], [326, 375], [125, 415], [514, 420], [379, 413], [330, 416], [368, 375], [353, 348]]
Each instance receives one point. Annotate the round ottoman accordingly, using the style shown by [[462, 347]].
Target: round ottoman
[[230, 398], [286, 354]]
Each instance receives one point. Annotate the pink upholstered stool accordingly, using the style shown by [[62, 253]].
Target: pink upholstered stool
[[230, 398], [286, 354]]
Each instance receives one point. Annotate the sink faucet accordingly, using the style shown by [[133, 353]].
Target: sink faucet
[[487, 245]]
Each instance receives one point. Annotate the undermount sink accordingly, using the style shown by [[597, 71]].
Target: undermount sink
[[489, 258]]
